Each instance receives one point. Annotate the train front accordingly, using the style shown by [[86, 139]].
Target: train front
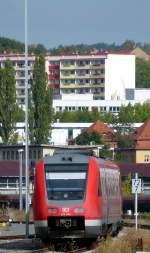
[[60, 197]]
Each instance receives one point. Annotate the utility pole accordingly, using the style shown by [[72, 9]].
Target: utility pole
[[26, 124], [20, 151]]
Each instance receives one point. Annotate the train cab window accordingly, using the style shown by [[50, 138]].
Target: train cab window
[[69, 185]]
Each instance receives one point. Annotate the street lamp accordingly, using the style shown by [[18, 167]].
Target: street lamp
[[26, 124], [20, 151]]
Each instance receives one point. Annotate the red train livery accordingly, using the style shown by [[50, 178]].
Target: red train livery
[[76, 195]]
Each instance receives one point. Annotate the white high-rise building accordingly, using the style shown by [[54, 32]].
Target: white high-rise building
[[103, 80], [105, 75]]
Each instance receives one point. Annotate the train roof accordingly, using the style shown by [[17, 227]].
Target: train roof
[[76, 156], [67, 158]]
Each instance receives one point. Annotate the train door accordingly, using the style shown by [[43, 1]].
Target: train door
[[104, 195]]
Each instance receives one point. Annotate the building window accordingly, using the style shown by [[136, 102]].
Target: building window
[[30, 154], [70, 133], [34, 154], [4, 153], [146, 158], [3, 182], [12, 155], [8, 155]]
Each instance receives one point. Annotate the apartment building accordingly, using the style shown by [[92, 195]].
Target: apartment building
[[105, 75], [102, 80], [18, 61]]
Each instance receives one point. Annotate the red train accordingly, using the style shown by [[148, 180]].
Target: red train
[[76, 195]]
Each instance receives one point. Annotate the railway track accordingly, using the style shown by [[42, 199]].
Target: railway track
[[34, 245], [13, 237], [131, 223], [71, 246]]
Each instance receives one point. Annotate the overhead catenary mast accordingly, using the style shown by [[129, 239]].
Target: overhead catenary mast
[[26, 124]]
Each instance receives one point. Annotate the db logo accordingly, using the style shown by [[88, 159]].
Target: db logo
[[65, 210]]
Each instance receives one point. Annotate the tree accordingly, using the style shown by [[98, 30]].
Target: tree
[[106, 151], [40, 49], [125, 119], [142, 73], [127, 185], [128, 44], [83, 139], [40, 116], [8, 107]]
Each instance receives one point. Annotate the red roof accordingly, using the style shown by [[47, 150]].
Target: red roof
[[142, 136], [143, 132], [9, 168], [100, 127], [101, 52]]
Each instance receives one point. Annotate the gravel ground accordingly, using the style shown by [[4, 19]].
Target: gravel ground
[[20, 246], [15, 229]]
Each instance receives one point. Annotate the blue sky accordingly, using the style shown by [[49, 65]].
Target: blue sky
[[65, 22]]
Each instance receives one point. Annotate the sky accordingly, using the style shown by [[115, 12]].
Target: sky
[[65, 22]]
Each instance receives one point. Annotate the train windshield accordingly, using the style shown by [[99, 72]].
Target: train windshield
[[65, 185]]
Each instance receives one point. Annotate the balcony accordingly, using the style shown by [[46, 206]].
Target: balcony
[[67, 76], [54, 85], [54, 76], [56, 67], [67, 85]]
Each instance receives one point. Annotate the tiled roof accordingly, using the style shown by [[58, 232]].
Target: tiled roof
[[101, 52], [10, 168], [142, 169], [143, 145], [100, 127], [142, 136], [143, 132]]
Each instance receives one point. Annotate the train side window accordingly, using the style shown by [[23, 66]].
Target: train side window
[[99, 188]]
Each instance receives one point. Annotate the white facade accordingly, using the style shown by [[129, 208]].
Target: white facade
[[119, 75], [63, 132], [74, 102], [142, 95], [104, 75]]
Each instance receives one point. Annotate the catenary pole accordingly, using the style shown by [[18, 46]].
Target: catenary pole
[[20, 151], [26, 123]]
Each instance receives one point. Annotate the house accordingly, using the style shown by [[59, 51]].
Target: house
[[106, 133], [141, 54], [9, 182], [143, 171], [140, 152]]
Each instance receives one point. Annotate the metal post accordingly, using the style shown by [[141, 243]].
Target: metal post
[[26, 125], [136, 205], [20, 179], [113, 153]]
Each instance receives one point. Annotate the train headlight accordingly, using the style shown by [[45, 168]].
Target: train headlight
[[52, 210], [79, 210]]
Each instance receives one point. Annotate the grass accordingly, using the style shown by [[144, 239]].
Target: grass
[[17, 215], [146, 216], [131, 242]]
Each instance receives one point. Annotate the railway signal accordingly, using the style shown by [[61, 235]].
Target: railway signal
[[136, 188]]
